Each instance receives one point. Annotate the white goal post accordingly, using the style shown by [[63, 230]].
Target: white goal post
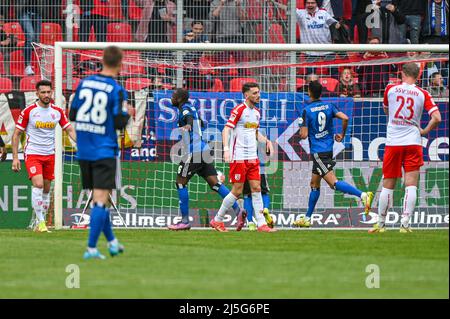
[[179, 47]]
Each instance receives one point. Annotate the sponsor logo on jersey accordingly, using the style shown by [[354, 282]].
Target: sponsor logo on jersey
[[49, 125], [251, 125]]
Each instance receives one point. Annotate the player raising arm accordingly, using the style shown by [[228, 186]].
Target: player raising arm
[[243, 158], [100, 108], [404, 104], [194, 160], [38, 121], [317, 126]]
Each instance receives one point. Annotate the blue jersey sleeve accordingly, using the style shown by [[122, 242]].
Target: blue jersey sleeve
[[335, 110], [119, 106], [304, 119]]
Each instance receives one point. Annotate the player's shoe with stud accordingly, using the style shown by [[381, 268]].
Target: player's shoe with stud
[[268, 218], [405, 230], [266, 229], [367, 201], [302, 222], [219, 226], [241, 218], [42, 228], [115, 249], [377, 229], [180, 226], [252, 226], [93, 255]]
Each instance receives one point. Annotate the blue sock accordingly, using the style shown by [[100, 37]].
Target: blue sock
[[223, 192], [107, 228], [347, 189], [98, 216], [248, 206], [313, 198], [266, 200], [183, 195]]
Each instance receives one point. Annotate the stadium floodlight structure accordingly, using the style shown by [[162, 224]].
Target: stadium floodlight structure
[[291, 63]]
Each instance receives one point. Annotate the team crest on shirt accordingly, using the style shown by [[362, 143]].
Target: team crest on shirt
[[237, 176], [33, 169]]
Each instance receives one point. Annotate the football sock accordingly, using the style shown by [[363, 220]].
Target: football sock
[[258, 208], [227, 203], [409, 204], [98, 217], [107, 229], [223, 191], [266, 200], [36, 199], [384, 202], [347, 188], [248, 206], [45, 202], [313, 198], [183, 196]]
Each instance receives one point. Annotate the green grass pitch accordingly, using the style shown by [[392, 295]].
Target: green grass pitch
[[207, 264]]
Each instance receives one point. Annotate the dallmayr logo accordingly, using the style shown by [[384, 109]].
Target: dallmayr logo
[[417, 218]]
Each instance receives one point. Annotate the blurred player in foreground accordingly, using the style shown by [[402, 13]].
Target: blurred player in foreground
[[243, 157], [196, 160], [38, 121], [404, 104], [317, 125], [99, 108]]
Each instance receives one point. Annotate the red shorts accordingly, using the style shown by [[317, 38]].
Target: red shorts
[[40, 165], [244, 170], [410, 157]]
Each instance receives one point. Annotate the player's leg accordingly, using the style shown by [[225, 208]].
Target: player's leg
[[217, 222], [223, 191], [183, 199], [392, 170], [313, 198], [266, 200], [248, 206], [413, 160], [46, 196], [33, 163], [48, 173], [254, 178]]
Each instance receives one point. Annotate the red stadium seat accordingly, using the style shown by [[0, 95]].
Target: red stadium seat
[[116, 9], [329, 83], [17, 64], [276, 34], [15, 29], [217, 86], [300, 82], [134, 12], [119, 32], [136, 84], [51, 33], [6, 85], [28, 83], [236, 84]]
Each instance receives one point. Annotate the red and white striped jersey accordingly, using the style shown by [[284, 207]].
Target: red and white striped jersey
[[244, 121], [406, 103], [39, 124]]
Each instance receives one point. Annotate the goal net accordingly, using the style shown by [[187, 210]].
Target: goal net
[[354, 79]]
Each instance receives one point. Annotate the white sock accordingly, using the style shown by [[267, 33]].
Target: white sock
[[409, 203], [227, 203], [114, 242], [92, 250], [258, 207], [36, 199], [384, 202], [45, 202]]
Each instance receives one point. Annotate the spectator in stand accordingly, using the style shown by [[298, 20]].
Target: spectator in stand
[[197, 10], [29, 13], [381, 18], [8, 43], [315, 25], [227, 16], [374, 77], [437, 88], [436, 24], [413, 11], [158, 17], [95, 13], [347, 85]]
